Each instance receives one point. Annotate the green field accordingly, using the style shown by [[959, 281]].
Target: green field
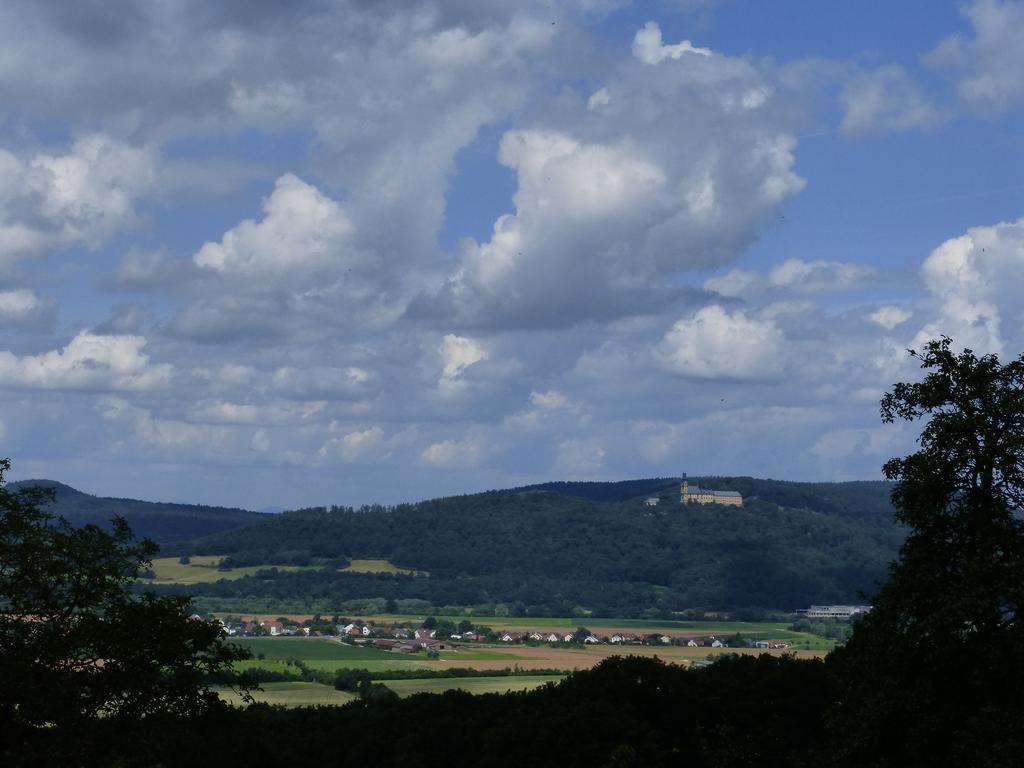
[[271, 665], [471, 684], [380, 566], [320, 653], [313, 694], [203, 570], [330, 656], [292, 695], [470, 653]]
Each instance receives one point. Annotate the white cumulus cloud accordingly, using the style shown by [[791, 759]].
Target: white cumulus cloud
[[21, 306], [452, 454], [79, 198], [302, 231], [717, 344], [665, 170], [889, 316], [353, 445], [649, 48], [457, 354], [88, 362], [978, 280]]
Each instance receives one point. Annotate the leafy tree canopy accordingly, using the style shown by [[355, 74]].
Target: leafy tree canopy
[[934, 675], [86, 664]]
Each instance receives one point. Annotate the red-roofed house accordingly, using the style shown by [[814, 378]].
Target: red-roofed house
[[274, 628]]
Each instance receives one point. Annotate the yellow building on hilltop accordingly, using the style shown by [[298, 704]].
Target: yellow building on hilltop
[[695, 493]]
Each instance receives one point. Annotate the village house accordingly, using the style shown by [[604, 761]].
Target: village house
[[405, 639], [354, 630], [273, 628]]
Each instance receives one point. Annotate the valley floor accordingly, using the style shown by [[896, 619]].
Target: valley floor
[[328, 655]]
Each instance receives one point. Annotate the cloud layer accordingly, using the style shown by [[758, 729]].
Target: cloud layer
[[236, 246]]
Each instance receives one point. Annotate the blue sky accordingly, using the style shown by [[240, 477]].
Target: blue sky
[[349, 252]]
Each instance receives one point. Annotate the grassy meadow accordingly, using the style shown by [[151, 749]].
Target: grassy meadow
[[331, 656], [292, 695], [380, 566], [203, 570], [312, 695], [322, 653], [474, 685]]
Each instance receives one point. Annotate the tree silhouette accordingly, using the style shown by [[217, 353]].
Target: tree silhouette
[[87, 665], [933, 675]]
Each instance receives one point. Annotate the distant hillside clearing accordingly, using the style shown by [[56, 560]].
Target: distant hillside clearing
[[203, 570], [381, 566]]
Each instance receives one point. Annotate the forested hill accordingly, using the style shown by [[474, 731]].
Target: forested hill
[[598, 491], [867, 499], [548, 552], [161, 522]]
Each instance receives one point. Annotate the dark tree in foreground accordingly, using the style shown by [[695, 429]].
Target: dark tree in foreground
[[85, 664], [935, 674]]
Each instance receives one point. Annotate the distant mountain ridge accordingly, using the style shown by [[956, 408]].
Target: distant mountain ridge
[[164, 523]]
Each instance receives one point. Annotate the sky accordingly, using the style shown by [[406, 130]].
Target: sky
[[280, 255]]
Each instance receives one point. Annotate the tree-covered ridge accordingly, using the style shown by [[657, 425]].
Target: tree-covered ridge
[[162, 522], [622, 490], [548, 552], [861, 498]]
